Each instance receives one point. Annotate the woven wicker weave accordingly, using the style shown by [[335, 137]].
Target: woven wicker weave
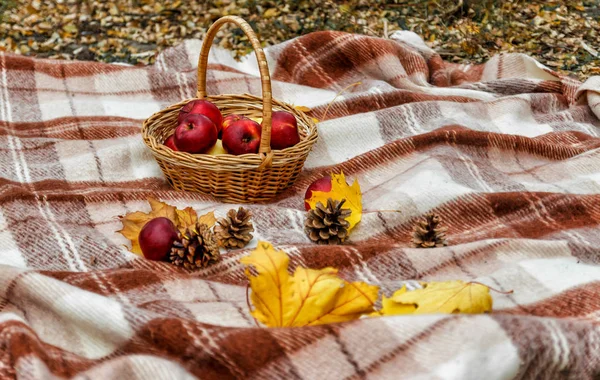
[[244, 178]]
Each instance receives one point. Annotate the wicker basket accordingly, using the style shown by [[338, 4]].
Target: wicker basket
[[244, 178]]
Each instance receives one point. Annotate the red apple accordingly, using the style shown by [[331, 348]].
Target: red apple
[[157, 237], [230, 119], [322, 184], [284, 130], [241, 137], [195, 134], [202, 107], [170, 142]]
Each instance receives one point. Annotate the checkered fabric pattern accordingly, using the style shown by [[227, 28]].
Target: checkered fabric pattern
[[506, 152]]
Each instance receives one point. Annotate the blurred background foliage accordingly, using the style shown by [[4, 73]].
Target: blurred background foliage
[[560, 34]]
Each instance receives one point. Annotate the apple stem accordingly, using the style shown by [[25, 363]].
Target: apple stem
[[493, 289], [336, 96]]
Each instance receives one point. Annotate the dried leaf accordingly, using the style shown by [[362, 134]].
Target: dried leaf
[[162, 209], [306, 109], [134, 222], [208, 219], [309, 297], [440, 297], [70, 28], [271, 12], [131, 230], [185, 218], [341, 190], [302, 108], [389, 307]]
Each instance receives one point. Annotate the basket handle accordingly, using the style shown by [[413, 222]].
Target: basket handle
[[265, 140]]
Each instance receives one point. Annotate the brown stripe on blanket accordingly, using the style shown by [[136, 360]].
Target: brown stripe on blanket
[[177, 339], [57, 190], [362, 103], [23, 343], [539, 340], [577, 302], [53, 67], [93, 128], [331, 66]]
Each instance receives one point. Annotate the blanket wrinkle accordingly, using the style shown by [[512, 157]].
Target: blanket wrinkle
[[507, 152]]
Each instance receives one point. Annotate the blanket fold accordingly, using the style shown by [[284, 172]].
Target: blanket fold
[[506, 152]]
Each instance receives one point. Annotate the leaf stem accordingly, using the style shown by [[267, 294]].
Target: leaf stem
[[493, 289], [373, 211], [336, 96]]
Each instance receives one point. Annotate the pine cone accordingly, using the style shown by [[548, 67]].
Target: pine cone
[[428, 234], [195, 248], [234, 231], [328, 225]]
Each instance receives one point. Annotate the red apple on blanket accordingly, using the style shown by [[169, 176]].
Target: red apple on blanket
[[241, 137], [322, 184], [284, 130], [195, 134], [230, 119], [202, 107], [170, 143], [157, 237]]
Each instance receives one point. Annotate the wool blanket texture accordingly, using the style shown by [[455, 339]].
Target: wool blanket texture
[[507, 153]]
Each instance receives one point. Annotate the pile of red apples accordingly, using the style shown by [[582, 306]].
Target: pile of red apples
[[201, 128]]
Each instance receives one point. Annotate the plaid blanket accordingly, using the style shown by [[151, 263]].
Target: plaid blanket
[[506, 152]]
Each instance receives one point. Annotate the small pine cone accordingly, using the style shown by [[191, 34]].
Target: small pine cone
[[328, 224], [195, 248], [428, 233], [234, 231]]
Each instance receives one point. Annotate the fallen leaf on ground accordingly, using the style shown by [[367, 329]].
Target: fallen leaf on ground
[[341, 190], [308, 297]]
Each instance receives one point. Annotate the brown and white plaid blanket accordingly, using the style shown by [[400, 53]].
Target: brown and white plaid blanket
[[508, 153]]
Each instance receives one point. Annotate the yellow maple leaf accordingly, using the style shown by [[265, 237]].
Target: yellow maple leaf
[[389, 307], [341, 190], [443, 297], [308, 297], [306, 109], [162, 209], [131, 231], [302, 108], [188, 217], [185, 218], [208, 219], [134, 222]]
